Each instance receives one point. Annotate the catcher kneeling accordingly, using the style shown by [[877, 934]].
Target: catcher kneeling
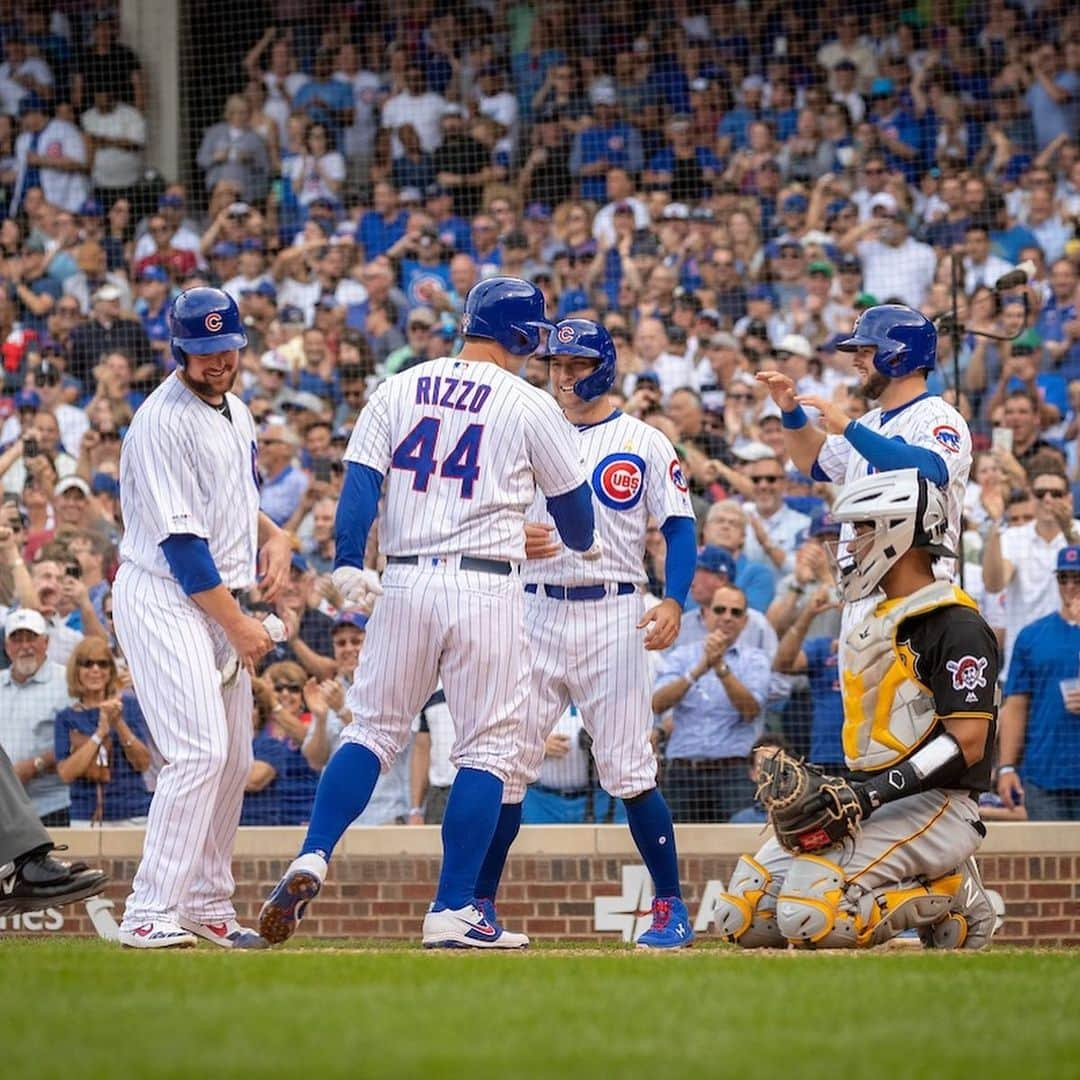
[[855, 862]]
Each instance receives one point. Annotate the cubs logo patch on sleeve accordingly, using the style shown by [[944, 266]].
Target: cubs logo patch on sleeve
[[619, 481], [949, 437], [968, 674], [676, 475]]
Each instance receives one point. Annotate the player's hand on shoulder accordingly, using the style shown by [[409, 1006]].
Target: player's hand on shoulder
[[781, 388], [664, 620], [250, 639], [540, 541]]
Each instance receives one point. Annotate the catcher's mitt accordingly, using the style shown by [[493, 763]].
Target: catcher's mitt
[[808, 810]]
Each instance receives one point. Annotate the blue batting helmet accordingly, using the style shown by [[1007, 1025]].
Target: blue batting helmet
[[585, 338], [508, 311], [904, 340], [204, 320]]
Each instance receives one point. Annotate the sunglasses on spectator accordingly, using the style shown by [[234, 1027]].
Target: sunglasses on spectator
[[105, 665], [293, 688], [1049, 493], [1068, 577], [109, 436], [740, 397], [64, 309], [736, 612], [873, 172], [766, 479]]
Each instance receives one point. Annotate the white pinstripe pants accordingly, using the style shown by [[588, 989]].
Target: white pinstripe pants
[[202, 732], [463, 626], [589, 652]]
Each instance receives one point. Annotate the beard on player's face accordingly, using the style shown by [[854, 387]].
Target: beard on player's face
[[212, 375]]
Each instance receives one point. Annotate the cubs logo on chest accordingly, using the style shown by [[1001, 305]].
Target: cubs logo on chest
[[619, 481]]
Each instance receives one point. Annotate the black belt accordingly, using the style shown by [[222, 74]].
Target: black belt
[[467, 562], [581, 592], [705, 764], [562, 793]]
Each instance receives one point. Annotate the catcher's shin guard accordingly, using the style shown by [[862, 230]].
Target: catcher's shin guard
[[971, 922], [816, 909], [746, 913], [809, 909]]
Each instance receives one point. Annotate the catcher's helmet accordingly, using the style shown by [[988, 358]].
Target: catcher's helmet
[[905, 340], [907, 511], [204, 320], [583, 337], [508, 311]]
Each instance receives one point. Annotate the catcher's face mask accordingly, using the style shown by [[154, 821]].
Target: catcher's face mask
[[862, 560]]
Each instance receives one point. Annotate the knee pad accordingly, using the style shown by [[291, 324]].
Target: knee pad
[[746, 913], [811, 910], [907, 905]]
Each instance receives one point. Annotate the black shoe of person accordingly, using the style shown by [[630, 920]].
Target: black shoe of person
[[40, 881]]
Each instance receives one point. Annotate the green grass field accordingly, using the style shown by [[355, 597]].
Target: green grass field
[[88, 1009]]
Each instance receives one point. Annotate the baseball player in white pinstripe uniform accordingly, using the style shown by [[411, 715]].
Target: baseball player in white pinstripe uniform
[[461, 445], [588, 624], [894, 348], [190, 498]]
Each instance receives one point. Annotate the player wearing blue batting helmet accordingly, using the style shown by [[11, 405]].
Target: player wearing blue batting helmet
[[589, 340], [904, 340], [508, 311], [203, 321]]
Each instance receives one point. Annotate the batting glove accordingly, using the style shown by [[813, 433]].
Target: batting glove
[[358, 587]]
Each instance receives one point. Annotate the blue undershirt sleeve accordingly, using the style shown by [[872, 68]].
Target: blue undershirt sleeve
[[191, 563], [887, 454], [357, 508], [681, 558], [574, 517]]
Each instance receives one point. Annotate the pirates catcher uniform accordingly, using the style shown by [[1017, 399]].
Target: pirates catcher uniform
[[913, 662]]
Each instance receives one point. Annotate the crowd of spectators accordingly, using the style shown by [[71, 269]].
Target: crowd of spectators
[[724, 187]]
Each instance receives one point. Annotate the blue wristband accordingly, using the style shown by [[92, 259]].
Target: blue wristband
[[795, 419]]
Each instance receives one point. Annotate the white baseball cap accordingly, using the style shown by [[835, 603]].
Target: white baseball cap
[[25, 619], [272, 360], [886, 201], [797, 344], [72, 482]]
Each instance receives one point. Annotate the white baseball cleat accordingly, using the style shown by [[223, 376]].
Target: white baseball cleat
[[228, 933], [467, 928], [158, 934]]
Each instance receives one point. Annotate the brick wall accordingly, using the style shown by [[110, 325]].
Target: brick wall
[[550, 894]]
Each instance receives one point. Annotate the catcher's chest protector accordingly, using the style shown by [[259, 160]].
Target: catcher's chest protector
[[886, 711]]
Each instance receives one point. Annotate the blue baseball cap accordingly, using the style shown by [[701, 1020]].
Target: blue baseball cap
[[824, 525], [291, 314], [33, 103], [1069, 559], [104, 484], [716, 560], [299, 564], [171, 200], [794, 204], [251, 243], [760, 292], [27, 399], [359, 619], [881, 87], [153, 272], [224, 250], [91, 208], [263, 288]]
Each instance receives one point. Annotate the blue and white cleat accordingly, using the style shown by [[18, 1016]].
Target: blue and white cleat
[[670, 928], [227, 934], [487, 909], [467, 928], [287, 904]]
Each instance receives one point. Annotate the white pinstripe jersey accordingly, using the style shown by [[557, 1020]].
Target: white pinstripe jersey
[[184, 468], [634, 474], [464, 445], [928, 422]]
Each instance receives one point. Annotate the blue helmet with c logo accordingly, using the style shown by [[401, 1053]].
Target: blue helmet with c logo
[[904, 340], [585, 338], [204, 320]]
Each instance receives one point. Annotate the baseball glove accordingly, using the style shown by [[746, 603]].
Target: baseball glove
[[808, 810]]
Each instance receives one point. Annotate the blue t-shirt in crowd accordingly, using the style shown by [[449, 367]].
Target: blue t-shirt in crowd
[[375, 234], [264, 807], [125, 795], [827, 724], [1047, 651], [296, 783]]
